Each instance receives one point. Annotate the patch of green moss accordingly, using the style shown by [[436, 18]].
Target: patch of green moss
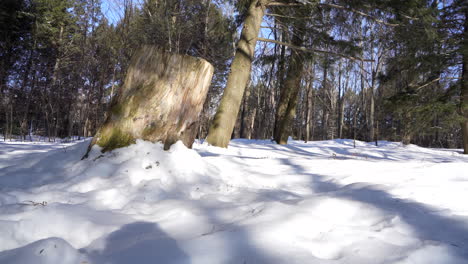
[[114, 138], [117, 109]]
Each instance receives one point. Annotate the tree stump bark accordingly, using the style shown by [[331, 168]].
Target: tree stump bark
[[160, 100]]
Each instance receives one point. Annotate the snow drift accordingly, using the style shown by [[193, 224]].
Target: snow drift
[[256, 202]]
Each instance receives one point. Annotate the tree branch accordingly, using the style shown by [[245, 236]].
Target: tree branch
[[360, 13], [312, 50], [283, 4], [343, 8], [283, 16], [429, 83]]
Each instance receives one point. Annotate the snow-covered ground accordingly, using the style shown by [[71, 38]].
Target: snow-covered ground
[[256, 202]]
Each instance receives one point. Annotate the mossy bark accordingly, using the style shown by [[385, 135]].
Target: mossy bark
[[160, 100]]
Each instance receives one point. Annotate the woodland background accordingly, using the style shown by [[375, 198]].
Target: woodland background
[[371, 70]]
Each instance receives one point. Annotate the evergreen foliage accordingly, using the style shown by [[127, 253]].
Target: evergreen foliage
[[368, 70]]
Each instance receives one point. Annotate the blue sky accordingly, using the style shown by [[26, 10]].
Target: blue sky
[[112, 10]]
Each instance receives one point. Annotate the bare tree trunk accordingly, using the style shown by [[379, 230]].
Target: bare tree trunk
[[406, 133], [57, 61], [85, 127], [245, 124], [372, 102], [363, 79], [266, 101], [371, 113], [225, 118], [11, 122], [252, 123], [286, 109], [29, 68], [325, 117], [113, 83], [325, 111], [160, 100], [341, 118], [355, 126], [464, 88], [377, 134], [310, 98], [302, 114], [7, 122]]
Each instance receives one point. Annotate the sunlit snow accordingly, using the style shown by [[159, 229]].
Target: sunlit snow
[[255, 202]]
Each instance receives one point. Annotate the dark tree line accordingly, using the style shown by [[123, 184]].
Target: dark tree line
[[62, 61], [314, 70]]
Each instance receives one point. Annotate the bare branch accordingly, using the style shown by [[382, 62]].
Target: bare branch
[[283, 16], [312, 50], [283, 4], [429, 83], [360, 13], [344, 8]]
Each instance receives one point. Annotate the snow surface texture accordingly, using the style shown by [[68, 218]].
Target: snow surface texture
[[256, 202]]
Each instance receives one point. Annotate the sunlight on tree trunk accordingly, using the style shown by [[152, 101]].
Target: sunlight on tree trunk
[[226, 115]]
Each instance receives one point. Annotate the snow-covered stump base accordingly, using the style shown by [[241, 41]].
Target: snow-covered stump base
[[160, 100]]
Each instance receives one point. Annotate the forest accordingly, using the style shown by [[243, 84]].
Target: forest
[[233, 131], [312, 70]]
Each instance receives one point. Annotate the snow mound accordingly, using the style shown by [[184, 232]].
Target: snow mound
[[45, 251], [83, 200], [255, 202]]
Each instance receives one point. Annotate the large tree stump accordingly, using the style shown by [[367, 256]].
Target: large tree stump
[[160, 100]]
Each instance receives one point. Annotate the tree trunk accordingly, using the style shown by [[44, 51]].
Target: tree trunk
[[372, 101], [371, 112], [310, 108], [406, 133], [326, 103], [160, 100], [339, 99], [341, 116], [252, 123], [363, 87], [7, 123], [225, 118], [28, 68], [377, 134], [10, 133], [245, 131], [464, 88], [355, 126], [286, 109]]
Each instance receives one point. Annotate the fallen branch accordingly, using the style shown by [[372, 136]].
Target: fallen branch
[[44, 203]]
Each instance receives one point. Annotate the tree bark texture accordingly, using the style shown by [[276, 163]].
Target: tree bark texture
[[464, 88], [310, 105], [226, 115], [160, 100], [288, 96]]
